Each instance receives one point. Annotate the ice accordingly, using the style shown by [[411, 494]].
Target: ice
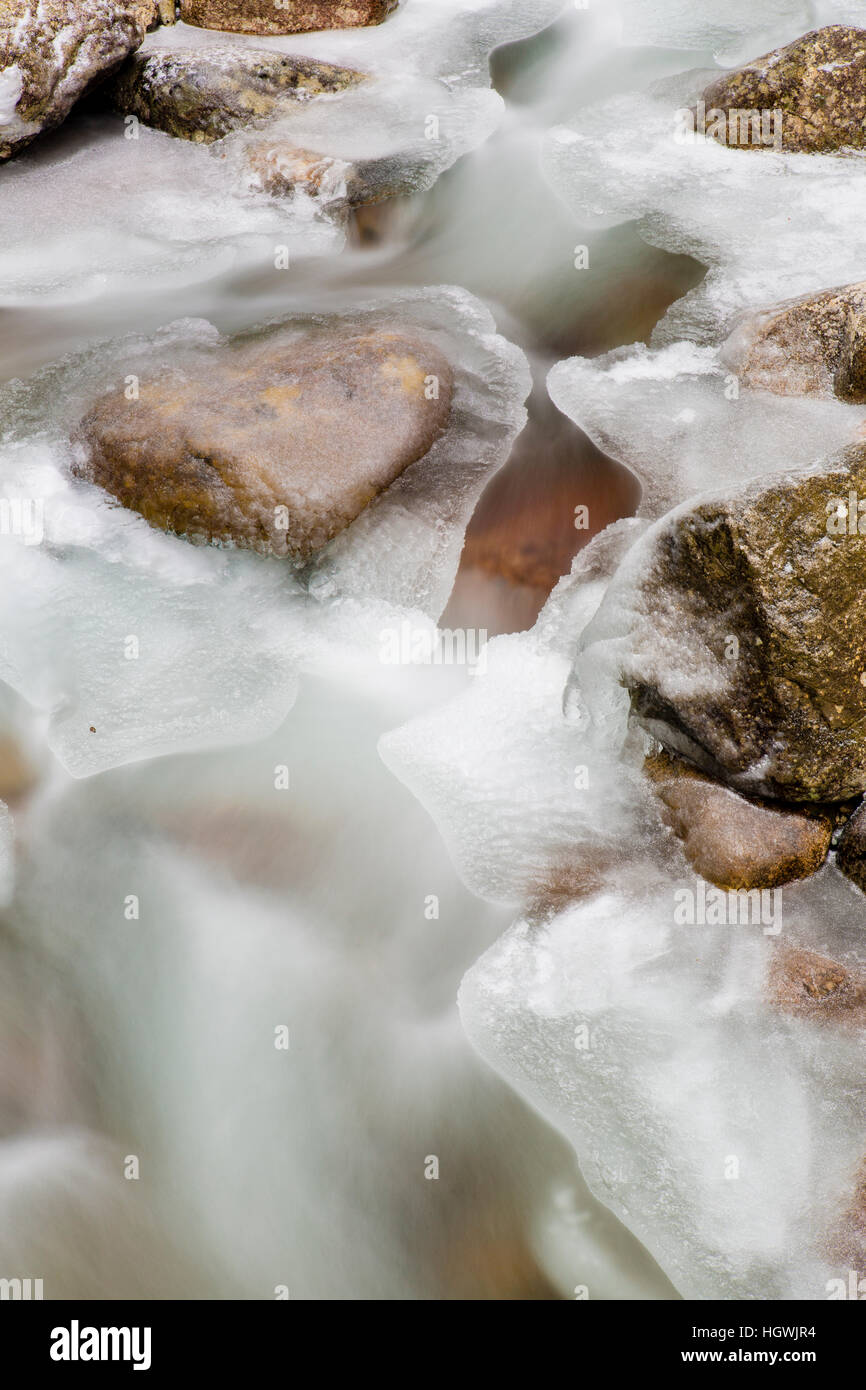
[[143, 213], [136, 642], [681, 421], [726, 1134], [735, 30]]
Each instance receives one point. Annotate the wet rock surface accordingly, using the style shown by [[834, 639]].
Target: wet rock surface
[[202, 94], [283, 170], [818, 82], [277, 445], [749, 654], [292, 17], [851, 849], [53, 52], [813, 345], [731, 841]]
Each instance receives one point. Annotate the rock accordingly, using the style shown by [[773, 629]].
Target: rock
[[733, 842], [282, 170], [817, 987], [275, 445], [290, 17], [747, 647], [851, 849], [53, 51], [818, 82], [202, 94], [814, 345]]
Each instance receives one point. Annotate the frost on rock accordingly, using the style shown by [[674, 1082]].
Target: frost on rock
[[138, 642]]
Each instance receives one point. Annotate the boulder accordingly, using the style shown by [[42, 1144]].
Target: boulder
[[52, 52], [285, 17], [732, 842], [818, 83], [274, 445], [746, 649], [202, 94], [814, 345]]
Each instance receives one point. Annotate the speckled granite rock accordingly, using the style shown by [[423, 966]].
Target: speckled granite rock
[[275, 445], [202, 94], [818, 82], [733, 842], [814, 345], [748, 642], [53, 51], [290, 17]]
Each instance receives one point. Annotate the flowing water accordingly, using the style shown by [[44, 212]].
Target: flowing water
[[175, 905]]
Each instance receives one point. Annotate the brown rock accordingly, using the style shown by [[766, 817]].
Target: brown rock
[[851, 849], [817, 987], [733, 842], [814, 345], [818, 82], [53, 51], [275, 445], [282, 169], [290, 17]]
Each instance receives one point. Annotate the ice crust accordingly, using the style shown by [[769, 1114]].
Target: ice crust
[[221, 634]]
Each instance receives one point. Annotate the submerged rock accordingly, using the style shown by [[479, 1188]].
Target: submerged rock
[[733, 842], [290, 17], [813, 345], [53, 51], [282, 170], [818, 83], [747, 650], [202, 94], [276, 445]]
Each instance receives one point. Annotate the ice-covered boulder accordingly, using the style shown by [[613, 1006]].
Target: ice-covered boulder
[[817, 84], [53, 51], [746, 633], [290, 17], [274, 444], [202, 94], [812, 345]]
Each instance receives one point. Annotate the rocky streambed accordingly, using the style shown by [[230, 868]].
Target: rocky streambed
[[229, 539]]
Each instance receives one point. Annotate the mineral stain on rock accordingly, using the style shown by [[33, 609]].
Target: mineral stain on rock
[[818, 82], [277, 445], [202, 94]]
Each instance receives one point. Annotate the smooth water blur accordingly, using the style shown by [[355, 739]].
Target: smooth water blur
[[330, 908]]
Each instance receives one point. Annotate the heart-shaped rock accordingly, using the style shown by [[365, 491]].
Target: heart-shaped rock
[[274, 445]]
